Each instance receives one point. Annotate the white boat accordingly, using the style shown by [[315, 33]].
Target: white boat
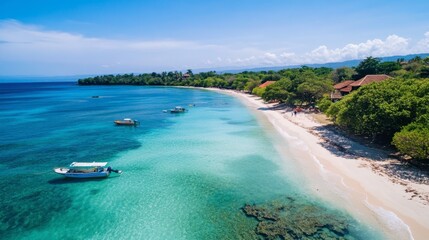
[[178, 109], [86, 170], [127, 121]]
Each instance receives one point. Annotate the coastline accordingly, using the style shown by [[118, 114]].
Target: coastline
[[351, 177]]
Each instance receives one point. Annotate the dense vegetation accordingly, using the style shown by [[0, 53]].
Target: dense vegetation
[[394, 111], [305, 85]]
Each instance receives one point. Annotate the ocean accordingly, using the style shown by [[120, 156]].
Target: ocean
[[185, 176]]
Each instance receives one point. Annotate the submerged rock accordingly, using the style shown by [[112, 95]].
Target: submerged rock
[[290, 219]]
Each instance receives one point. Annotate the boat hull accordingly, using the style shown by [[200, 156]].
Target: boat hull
[[125, 123], [177, 111], [66, 173]]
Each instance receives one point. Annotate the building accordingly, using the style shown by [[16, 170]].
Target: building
[[343, 88], [266, 84]]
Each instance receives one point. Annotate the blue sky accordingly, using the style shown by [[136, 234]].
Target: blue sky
[[99, 37]]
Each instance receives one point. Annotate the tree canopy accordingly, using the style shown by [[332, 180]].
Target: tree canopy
[[397, 107], [368, 66]]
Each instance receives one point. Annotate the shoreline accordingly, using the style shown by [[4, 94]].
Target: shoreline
[[352, 177]]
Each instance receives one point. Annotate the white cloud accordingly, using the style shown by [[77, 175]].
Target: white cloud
[[392, 45], [14, 32], [39, 50], [423, 45], [29, 49]]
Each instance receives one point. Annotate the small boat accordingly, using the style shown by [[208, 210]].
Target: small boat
[[127, 121], [178, 109], [86, 170]]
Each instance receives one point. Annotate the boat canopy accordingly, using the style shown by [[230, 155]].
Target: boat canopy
[[88, 164], [127, 119]]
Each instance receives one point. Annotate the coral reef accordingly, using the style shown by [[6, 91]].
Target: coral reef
[[292, 219]]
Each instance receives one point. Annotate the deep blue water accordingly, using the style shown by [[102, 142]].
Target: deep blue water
[[186, 176]]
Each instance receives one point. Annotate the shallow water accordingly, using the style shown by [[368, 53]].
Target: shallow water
[[186, 176]]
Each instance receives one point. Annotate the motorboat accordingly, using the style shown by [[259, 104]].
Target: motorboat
[[178, 109], [86, 170], [127, 121]]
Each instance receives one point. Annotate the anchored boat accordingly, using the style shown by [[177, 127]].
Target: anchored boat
[[178, 109], [127, 121], [86, 170]]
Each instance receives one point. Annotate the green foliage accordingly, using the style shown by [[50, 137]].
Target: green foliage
[[251, 84], [388, 67], [413, 139], [379, 110], [278, 91], [424, 72], [258, 91], [368, 66], [271, 77], [303, 84], [324, 103], [312, 90], [342, 74], [413, 143]]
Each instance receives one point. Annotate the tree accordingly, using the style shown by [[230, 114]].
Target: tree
[[258, 91], [424, 72], [189, 72], [413, 139], [324, 103], [251, 84], [312, 90], [342, 74], [413, 143], [271, 77], [416, 59], [278, 91], [368, 66], [388, 67], [378, 110]]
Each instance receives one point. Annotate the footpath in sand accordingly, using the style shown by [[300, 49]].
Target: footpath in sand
[[388, 193]]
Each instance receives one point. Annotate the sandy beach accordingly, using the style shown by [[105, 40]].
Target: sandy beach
[[362, 180]]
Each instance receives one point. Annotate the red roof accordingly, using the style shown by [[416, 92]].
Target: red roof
[[344, 84], [267, 83], [369, 79], [347, 89]]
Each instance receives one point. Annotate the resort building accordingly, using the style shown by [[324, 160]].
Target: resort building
[[186, 76], [266, 84], [343, 88]]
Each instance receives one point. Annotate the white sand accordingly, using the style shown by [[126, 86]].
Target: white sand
[[351, 181]]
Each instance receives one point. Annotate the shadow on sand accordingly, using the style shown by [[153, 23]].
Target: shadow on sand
[[281, 106], [349, 147]]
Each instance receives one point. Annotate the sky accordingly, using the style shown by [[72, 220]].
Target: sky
[[77, 37]]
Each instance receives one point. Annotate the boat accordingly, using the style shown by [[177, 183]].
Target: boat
[[178, 109], [127, 121], [86, 170]]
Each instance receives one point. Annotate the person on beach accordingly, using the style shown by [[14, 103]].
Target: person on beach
[[294, 112]]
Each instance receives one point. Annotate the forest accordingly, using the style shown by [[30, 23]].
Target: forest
[[393, 112]]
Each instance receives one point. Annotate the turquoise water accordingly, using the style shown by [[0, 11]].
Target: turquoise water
[[185, 176]]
